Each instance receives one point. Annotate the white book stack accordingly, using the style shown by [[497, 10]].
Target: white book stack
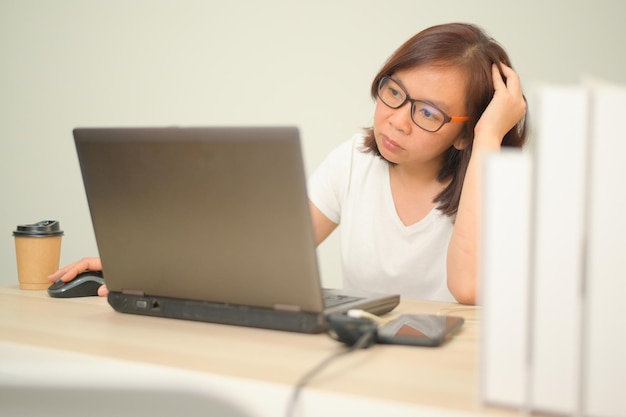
[[565, 353], [559, 194], [604, 371], [505, 269]]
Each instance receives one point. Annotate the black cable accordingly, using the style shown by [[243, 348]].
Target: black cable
[[363, 341]]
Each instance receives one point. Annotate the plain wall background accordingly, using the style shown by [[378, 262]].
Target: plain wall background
[[65, 64]]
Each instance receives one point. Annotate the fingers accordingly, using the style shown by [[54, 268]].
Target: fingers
[[103, 291], [61, 272], [69, 272], [506, 108], [509, 91], [500, 73], [498, 82]]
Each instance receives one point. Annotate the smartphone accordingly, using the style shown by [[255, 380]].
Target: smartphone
[[419, 330]]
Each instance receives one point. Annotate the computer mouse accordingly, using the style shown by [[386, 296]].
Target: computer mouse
[[85, 284]]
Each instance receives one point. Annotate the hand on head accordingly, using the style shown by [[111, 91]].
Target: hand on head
[[507, 107], [69, 272]]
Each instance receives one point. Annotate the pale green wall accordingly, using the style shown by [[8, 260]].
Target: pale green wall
[[196, 62]]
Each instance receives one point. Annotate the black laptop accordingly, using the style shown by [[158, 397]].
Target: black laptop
[[209, 224]]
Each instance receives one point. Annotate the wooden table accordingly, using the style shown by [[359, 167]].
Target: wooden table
[[444, 378]]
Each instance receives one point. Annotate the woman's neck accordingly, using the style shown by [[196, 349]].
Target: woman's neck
[[414, 190]]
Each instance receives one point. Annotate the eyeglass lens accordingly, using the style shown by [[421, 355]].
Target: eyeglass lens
[[424, 115]]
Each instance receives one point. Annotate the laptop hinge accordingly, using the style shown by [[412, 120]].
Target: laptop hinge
[[287, 307], [133, 292]]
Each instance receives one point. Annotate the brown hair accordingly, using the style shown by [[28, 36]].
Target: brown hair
[[467, 47]]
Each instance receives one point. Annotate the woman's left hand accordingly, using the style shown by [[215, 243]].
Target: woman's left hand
[[506, 109]]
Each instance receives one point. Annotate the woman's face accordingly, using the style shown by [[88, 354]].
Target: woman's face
[[399, 139]]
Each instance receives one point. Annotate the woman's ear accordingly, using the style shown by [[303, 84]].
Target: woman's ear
[[461, 143]]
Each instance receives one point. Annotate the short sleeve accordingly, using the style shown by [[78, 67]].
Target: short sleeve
[[328, 185]]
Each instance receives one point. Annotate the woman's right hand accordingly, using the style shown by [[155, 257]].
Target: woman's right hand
[[69, 272], [506, 109]]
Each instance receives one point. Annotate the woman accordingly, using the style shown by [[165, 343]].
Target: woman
[[406, 190]]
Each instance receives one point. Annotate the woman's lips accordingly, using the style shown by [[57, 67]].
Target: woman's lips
[[390, 144]]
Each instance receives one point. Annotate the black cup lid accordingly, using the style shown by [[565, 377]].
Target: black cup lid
[[42, 228]]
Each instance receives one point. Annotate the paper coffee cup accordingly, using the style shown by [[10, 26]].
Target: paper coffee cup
[[38, 253]]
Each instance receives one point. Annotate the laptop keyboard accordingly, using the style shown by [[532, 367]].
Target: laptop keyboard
[[334, 299]]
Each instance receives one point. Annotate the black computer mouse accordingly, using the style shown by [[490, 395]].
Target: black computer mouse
[[85, 284]]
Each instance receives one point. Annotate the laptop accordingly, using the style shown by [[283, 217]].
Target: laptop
[[209, 224]]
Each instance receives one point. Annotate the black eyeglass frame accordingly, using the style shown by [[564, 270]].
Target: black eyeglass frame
[[446, 119]]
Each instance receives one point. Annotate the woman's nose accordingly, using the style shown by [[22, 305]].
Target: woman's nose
[[400, 118]]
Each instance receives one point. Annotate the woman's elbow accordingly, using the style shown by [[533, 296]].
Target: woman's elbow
[[463, 294]]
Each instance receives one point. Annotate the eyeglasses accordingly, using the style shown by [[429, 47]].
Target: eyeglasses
[[423, 114]]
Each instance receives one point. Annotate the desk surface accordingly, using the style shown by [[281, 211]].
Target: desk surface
[[444, 377]]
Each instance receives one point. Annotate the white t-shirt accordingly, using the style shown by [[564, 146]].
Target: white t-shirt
[[379, 253]]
